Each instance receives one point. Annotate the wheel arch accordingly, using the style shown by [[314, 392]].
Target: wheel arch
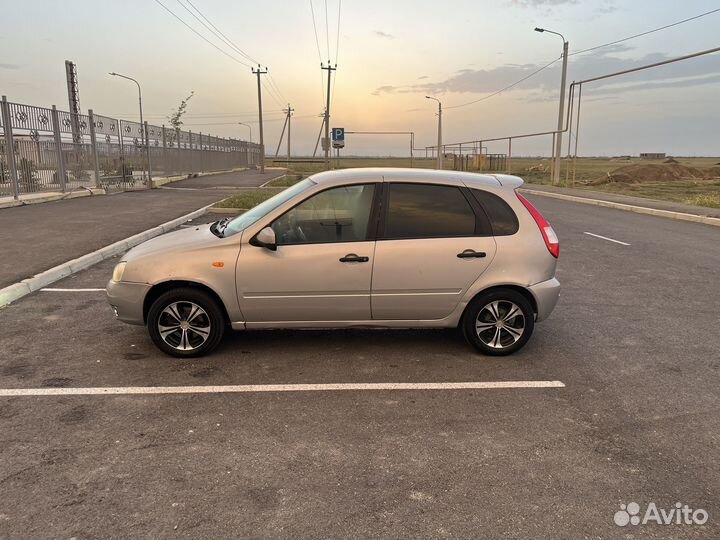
[[160, 288], [513, 287]]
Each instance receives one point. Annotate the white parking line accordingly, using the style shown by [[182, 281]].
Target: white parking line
[[608, 239], [51, 289], [247, 388]]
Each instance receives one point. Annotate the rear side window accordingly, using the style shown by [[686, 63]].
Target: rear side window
[[502, 218], [427, 211]]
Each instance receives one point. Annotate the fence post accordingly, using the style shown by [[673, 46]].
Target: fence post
[[147, 151], [192, 153], [10, 147], [58, 146], [201, 155], [93, 147], [164, 152]]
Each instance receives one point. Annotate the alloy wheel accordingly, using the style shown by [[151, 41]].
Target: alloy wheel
[[500, 324], [184, 325]]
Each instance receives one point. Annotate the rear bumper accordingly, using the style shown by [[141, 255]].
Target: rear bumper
[[127, 299], [546, 295]]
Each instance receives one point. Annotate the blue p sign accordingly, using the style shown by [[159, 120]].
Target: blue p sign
[[338, 134]]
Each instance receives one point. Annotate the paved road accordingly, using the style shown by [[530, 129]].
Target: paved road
[[40, 236], [634, 338]]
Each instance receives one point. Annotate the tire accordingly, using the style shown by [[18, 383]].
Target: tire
[[480, 326], [186, 323]]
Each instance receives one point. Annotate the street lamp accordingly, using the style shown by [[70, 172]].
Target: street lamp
[[143, 134], [439, 143], [247, 126], [561, 110]]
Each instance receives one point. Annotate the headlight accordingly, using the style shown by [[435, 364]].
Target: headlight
[[118, 271]]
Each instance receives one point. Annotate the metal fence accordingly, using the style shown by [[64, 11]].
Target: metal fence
[[51, 150]]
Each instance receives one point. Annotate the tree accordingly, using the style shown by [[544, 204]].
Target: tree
[[175, 118]]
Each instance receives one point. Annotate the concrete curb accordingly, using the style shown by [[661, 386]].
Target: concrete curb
[[26, 286], [627, 207], [38, 198]]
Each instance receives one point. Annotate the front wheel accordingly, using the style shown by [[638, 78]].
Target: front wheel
[[499, 322], [185, 323]]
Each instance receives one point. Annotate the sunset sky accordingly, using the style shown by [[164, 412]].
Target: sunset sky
[[389, 56]]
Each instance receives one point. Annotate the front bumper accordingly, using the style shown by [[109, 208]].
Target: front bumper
[[127, 300], [546, 295]]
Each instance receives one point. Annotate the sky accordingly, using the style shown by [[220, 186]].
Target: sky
[[389, 56]]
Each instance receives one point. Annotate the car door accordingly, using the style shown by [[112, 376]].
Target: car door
[[433, 243], [322, 267]]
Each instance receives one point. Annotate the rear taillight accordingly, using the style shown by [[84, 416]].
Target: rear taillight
[[551, 239]]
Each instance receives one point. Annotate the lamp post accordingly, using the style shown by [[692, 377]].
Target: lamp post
[[143, 134], [439, 143], [247, 126], [561, 110]]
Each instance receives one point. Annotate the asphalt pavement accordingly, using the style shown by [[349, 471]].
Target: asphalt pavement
[[634, 339], [39, 236]]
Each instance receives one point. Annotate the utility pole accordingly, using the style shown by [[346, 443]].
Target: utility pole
[[288, 114], [439, 165], [259, 72], [326, 145], [561, 109]]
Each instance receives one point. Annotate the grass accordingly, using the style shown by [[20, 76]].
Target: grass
[[712, 200], [247, 198], [287, 180], [690, 191]]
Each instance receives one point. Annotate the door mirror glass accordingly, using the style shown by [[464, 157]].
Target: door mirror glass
[[265, 238]]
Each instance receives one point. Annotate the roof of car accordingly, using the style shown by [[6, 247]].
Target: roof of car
[[493, 180]]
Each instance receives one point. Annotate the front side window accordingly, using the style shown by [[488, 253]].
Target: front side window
[[428, 211], [339, 214], [243, 221]]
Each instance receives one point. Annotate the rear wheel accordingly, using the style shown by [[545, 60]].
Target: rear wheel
[[186, 323], [499, 322]]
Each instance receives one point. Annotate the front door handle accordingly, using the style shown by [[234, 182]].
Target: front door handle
[[471, 254], [351, 257]]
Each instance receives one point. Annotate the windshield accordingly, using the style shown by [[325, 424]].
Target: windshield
[[243, 221]]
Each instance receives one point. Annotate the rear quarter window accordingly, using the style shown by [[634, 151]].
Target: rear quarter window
[[502, 218]]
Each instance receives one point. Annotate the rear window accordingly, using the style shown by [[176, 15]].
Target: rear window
[[502, 218]]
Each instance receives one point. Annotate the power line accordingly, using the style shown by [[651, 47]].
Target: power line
[[645, 33], [317, 43], [215, 33], [269, 90], [231, 57], [337, 49], [506, 88], [276, 87], [327, 31], [587, 50]]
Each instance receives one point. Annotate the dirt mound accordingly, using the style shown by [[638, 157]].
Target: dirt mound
[[639, 173], [670, 160], [713, 172]]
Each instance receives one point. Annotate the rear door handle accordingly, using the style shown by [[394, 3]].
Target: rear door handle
[[352, 257], [471, 254]]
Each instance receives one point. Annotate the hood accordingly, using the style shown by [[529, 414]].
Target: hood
[[187, 239]]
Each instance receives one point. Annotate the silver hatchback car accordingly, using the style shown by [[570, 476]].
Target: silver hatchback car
[[390, 248]]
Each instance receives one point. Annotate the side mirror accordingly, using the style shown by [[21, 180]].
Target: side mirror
[[265, 238]]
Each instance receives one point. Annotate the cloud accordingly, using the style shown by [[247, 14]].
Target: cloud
[[9, 66], [609, 7], [384, 35], [422, 77], [603, 61], [541, 3]]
